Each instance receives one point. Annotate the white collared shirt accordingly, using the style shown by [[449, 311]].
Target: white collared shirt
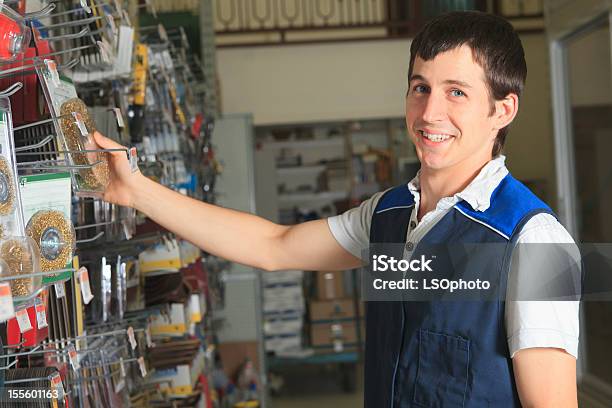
[[528, 323]]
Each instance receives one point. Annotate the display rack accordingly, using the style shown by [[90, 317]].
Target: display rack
[[82, 314]]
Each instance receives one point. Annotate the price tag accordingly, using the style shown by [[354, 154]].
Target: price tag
[[72, 356], [85, 6], [80, 124], [119, 386], [52, 69], [104, 51], [56, 384], [122, 368], [119, 117], [126, 17], [60, 290], [150, 343], [126, 229], [163, 35], [23, 320], [111, 23], [133, 158], [338, 346], [41, 314], [143, 368], [7, 310], [83, 275], [131, 337]]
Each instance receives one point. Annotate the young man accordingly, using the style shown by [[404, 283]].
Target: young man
[[466, 74]]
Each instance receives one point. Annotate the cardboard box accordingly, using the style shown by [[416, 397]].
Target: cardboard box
[[323, 334], [284, 342], [330, 285], [331, 309]]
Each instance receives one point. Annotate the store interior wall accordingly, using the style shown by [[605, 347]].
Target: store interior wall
[[367, 80]]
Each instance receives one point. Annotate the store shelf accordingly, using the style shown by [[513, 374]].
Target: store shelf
[[322, 196], [303, 144], [346, 357], [299, 170]]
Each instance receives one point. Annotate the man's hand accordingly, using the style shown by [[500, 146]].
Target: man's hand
[[122, 180], [545, 377]]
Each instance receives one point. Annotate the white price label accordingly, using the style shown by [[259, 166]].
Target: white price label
[[23, 320], [7, 310], [56, 383], [133, 158], [41, 314], [60, 290], [104, 51], [83, 275], [119, 117], [52, 69], [121, 367], [131, 337], [150, 343], [80, 124], [85, 6], [111, 23], [119, 386], [126, 18], [143, 368], [338, 346], [72, 356]]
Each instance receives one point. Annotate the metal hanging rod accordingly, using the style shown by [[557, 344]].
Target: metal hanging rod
[[38, 145], [95, 238], [35, 274]]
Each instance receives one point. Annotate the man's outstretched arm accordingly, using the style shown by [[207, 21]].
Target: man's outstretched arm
[[545, 377], [232, 235]]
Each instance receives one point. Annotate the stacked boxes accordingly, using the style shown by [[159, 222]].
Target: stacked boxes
[[283, 311], [334, 326]]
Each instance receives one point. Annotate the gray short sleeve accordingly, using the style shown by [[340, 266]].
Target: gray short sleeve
[[352, 228]]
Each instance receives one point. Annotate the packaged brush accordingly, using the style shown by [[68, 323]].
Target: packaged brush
[[17, 250], [75, 127]]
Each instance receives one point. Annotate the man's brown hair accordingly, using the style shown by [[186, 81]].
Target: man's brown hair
[[495, 45]]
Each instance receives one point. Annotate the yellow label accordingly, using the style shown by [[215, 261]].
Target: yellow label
[[141, 64], [168, 328], [151, 266]]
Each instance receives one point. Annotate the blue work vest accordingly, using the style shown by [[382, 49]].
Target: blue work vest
[[443, 354]]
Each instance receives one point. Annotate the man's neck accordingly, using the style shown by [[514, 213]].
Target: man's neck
[[437, 184]]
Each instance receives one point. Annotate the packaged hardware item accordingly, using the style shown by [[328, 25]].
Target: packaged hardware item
[[16, 250], [55, 237], [14, 34], [78, 128]]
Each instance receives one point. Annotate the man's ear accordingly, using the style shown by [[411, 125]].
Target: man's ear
[[505, 111]]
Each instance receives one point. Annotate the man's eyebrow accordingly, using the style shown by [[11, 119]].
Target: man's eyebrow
[[417, 77]]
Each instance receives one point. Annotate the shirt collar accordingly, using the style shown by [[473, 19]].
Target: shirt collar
[[478, 192]]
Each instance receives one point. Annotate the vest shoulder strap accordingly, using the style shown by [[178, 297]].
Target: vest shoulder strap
[[512, 204], [396, 198]]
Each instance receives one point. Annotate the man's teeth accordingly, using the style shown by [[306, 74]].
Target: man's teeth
[[435, 137]]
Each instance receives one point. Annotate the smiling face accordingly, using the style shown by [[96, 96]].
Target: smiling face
[[448, 112]]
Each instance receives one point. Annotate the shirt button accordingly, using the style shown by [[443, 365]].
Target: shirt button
[[412, 224], [409, 246]]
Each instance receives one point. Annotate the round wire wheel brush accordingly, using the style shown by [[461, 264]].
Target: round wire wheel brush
[[96, 177], [55, 238], [21, 257], [7, 188]]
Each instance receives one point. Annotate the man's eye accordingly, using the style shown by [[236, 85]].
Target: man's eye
[[457, 92], [420, 88]]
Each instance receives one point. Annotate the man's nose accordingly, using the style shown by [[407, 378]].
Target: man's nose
[[435, 108]]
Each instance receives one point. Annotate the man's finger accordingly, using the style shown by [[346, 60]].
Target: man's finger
[[105, 142]]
